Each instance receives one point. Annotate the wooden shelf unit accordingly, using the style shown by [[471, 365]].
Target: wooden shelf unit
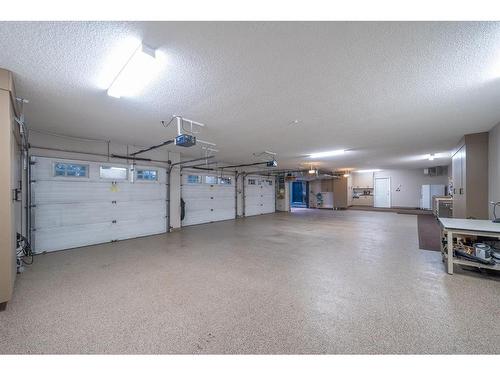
[[451, 228]]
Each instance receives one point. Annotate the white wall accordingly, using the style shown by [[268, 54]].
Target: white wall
[[494, 167], [409, 182], [77, 149]]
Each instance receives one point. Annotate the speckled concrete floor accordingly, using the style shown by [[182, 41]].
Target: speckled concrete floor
[[309, 282]]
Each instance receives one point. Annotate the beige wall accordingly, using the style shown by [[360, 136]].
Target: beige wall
[[409, 182], [494, 168], [8, 154]]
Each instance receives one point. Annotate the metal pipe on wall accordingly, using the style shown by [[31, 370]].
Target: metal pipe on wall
[[243, 194], [169, 179], [192, 160], [169, 142], [28, 196], [245, 165], [87, 153], [200, 165], [236, 175]]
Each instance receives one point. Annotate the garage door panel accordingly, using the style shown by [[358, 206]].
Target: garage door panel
[[60, 238], [126, 229], [198, 204], [70, 192], [252, 211], [197, 217], [207, 216], [220, 215], [202, 189], [63, 215], [143, 191], [130, 210], [227, 204]]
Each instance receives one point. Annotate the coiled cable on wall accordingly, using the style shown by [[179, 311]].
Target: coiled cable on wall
[[24, 249]]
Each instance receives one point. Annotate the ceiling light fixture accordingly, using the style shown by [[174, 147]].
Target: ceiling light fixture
[[368, 170], [431, 157], [312, 170], [136, 73], [326, 154]]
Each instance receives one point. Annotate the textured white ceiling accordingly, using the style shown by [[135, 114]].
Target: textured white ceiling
[[389, 92]]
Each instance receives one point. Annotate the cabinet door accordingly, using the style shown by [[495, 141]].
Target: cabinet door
[[457, 172], [463, 163], [340, 193], [458, 165]]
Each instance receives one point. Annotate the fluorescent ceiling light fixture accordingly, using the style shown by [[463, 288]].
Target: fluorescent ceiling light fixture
[[136, 73], [312, 171], [346, 174], [438, 155], [326, 154], [368, 170]]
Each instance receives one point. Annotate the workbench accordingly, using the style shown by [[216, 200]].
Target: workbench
[[467, 227]]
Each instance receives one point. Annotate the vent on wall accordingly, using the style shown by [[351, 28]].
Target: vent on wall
[[435, 171]]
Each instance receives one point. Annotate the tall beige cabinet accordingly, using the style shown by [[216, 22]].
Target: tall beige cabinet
[[470, 177], [9, 181], [341, 194]]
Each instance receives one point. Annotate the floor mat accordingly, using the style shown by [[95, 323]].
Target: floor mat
[[429, 233], [398, 210]]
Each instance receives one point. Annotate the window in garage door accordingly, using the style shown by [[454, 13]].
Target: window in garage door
[[70, 170], [71, 211], [194, 179], [112, 173], [207, 198], [147, 175]]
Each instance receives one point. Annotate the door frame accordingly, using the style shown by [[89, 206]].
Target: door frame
[[305, 188], [375, 190]]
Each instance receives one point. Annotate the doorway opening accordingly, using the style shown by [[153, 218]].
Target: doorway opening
[[300, 194]]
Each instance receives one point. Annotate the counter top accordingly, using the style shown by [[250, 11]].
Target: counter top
[[470, 225]]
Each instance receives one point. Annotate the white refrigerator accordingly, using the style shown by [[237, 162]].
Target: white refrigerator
[[429, 191]]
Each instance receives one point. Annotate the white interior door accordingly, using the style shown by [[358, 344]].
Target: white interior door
[[82, 207], [382, 196]]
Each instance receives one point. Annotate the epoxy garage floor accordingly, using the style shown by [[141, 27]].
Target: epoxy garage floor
[[306, 282]]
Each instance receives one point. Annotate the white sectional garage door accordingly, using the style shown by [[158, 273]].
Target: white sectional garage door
[[259, 195], [207, 197], [80, 203]]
